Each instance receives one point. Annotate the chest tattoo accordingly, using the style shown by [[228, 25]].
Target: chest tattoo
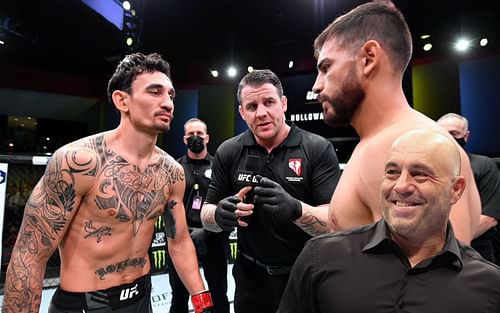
[[133, 192], [96, 232]]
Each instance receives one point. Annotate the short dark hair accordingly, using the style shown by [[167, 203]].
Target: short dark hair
[[133, 65], [378, 20], [258, 78]]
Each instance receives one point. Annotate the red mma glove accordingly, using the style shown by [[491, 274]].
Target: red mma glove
[[202, 302]]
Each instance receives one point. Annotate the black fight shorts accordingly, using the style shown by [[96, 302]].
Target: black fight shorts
[[134, 297]]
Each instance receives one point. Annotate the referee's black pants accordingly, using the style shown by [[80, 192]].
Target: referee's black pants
[[256, 290]]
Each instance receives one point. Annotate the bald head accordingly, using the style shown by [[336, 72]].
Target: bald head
[[421, 183], [438, 147]]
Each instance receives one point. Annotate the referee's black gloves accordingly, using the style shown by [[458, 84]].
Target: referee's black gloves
[[272, 198], [224, 213]]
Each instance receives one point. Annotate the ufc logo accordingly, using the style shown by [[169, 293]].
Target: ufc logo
[[247, 178], [128, 293]]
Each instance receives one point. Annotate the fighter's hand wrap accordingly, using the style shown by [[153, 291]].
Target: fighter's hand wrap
[[224, 213], [202, 302], [272, 198]]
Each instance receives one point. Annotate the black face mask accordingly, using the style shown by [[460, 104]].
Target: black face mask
[[195, 144], [461, 141]]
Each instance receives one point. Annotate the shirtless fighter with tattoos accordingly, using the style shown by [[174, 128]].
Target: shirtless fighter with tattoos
[[98, 201]]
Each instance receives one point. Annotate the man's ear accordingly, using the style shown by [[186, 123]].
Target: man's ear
[[284, 101], [207, 138], [119, 97], [184, 138], [457, 189], [370, 53], [466, 136], [240, 109]]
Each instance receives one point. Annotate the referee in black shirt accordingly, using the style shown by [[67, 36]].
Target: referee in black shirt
[[293, 174]]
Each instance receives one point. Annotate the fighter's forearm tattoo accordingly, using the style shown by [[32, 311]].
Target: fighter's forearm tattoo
[[96, 232], [168, 217], [312, 224], [120, 266], [22, 292]]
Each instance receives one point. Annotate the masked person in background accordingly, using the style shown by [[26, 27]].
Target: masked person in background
[[211, 248], [487, 238]]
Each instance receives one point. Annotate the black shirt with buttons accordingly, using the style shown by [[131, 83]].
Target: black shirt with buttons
[[363, 270], [305, 165]]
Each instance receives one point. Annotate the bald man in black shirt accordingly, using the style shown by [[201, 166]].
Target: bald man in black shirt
[[410, 260]]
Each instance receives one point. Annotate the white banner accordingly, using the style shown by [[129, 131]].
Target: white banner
[[3, 190]]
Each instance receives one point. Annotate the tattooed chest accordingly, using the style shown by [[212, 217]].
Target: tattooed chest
[[131, 195]]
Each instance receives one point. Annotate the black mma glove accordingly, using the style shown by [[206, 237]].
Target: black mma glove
[[272, 198], [202, 302], [199, 235], [224, 213]]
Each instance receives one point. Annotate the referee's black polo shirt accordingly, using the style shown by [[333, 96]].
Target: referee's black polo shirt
[[305, 165], [363, 270]]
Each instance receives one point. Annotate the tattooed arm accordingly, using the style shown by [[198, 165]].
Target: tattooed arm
[[313, 219], [180, 245], [48, 212]]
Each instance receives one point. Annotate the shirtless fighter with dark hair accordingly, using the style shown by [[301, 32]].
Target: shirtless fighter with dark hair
[[98, 201]]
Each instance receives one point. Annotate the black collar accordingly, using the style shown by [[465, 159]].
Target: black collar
[[204, 160], [381, 240]]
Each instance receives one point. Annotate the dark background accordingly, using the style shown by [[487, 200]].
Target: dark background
[[59, 54]]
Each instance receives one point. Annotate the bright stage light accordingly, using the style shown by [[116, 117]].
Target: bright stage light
[[231, 71], [462, 44]]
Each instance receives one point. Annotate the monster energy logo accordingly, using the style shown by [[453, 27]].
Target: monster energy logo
[[234, 249], [159, 258], [160, 223]]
